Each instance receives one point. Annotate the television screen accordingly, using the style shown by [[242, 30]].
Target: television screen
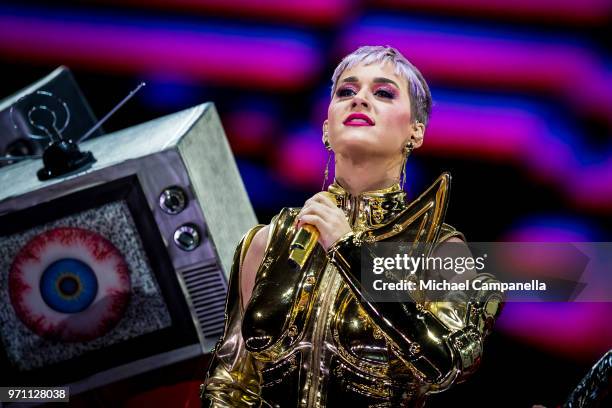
[[85, 278], [73, 289]]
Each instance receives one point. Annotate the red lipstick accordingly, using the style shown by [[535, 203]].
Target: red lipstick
[[358, 119]]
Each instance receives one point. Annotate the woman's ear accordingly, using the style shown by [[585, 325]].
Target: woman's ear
[[417, 133], [324, 133]]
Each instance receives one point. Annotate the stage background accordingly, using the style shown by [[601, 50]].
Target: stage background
[[522, 116]]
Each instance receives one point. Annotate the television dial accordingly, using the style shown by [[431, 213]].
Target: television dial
[[187, 237], [173, 200]]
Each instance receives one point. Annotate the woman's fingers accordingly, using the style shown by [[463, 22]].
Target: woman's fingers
[[322, 213], [324, 199], [314, 208], [312, 219]]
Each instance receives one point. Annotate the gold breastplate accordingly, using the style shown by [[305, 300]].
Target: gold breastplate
[[311, 339]]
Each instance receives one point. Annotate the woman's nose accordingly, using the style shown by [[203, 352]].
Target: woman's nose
[[359, 100]]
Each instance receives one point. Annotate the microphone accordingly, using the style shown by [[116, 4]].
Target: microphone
[[305, 241]]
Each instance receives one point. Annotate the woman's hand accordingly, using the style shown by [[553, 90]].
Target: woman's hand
[[330, 220]]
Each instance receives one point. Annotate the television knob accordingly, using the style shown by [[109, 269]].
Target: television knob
[[187, 237], [173, 200]]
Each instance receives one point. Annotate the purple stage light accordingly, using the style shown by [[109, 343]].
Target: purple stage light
[[566, 11], [301, 160], [251, 132], [242, 58], [316, 12], [578, 331], [521, 135]]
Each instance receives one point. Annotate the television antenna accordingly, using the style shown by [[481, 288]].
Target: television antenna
[[47, 116]]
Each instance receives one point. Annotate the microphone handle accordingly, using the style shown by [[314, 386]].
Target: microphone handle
[[304, 242], [302, 245]]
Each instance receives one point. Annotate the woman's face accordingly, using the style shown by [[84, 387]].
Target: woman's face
[[369, 113]]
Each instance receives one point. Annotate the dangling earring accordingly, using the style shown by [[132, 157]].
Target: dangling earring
[[407, 150], [329, 155]]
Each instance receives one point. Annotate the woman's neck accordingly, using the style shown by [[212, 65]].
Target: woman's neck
[[366, 175]]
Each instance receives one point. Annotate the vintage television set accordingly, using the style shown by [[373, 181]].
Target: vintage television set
[[122, 268]]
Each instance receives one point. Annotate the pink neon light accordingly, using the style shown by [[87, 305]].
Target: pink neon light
[[254, 61], [301, 160], [310, 12], [249, 132], [580, 331], [492, 132], [523, 138], [569, 11]]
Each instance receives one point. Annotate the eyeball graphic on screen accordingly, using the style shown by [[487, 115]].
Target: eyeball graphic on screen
[[69, 284]]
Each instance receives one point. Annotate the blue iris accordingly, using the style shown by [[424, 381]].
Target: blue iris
[[68, 285]]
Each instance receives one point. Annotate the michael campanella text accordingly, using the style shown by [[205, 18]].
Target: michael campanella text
[[444, 285]]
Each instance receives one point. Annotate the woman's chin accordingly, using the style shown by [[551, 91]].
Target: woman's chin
[[357, 135], [357, 147]]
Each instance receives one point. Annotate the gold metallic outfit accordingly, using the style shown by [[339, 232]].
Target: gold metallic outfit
[[308, 338]]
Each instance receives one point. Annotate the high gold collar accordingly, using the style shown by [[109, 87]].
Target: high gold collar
[[370, 209]]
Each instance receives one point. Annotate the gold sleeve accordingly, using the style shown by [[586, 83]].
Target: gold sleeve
[[441, 342], [468, 316], [232, 380]]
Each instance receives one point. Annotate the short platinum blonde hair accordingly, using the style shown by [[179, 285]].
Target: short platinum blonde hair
[[418, 90]]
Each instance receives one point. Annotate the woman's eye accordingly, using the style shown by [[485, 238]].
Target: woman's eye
[[384, 94], [344, 92]]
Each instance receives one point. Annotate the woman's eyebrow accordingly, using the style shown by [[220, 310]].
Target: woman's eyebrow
[[350, 79], [385, 81], [379, 80]]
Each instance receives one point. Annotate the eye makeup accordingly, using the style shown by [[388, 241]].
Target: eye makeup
[[346, 90], [383, 91]]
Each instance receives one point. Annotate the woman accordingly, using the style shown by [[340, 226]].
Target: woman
[[310, 336]]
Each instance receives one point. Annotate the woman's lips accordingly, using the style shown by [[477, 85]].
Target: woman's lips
[[358, 119]]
